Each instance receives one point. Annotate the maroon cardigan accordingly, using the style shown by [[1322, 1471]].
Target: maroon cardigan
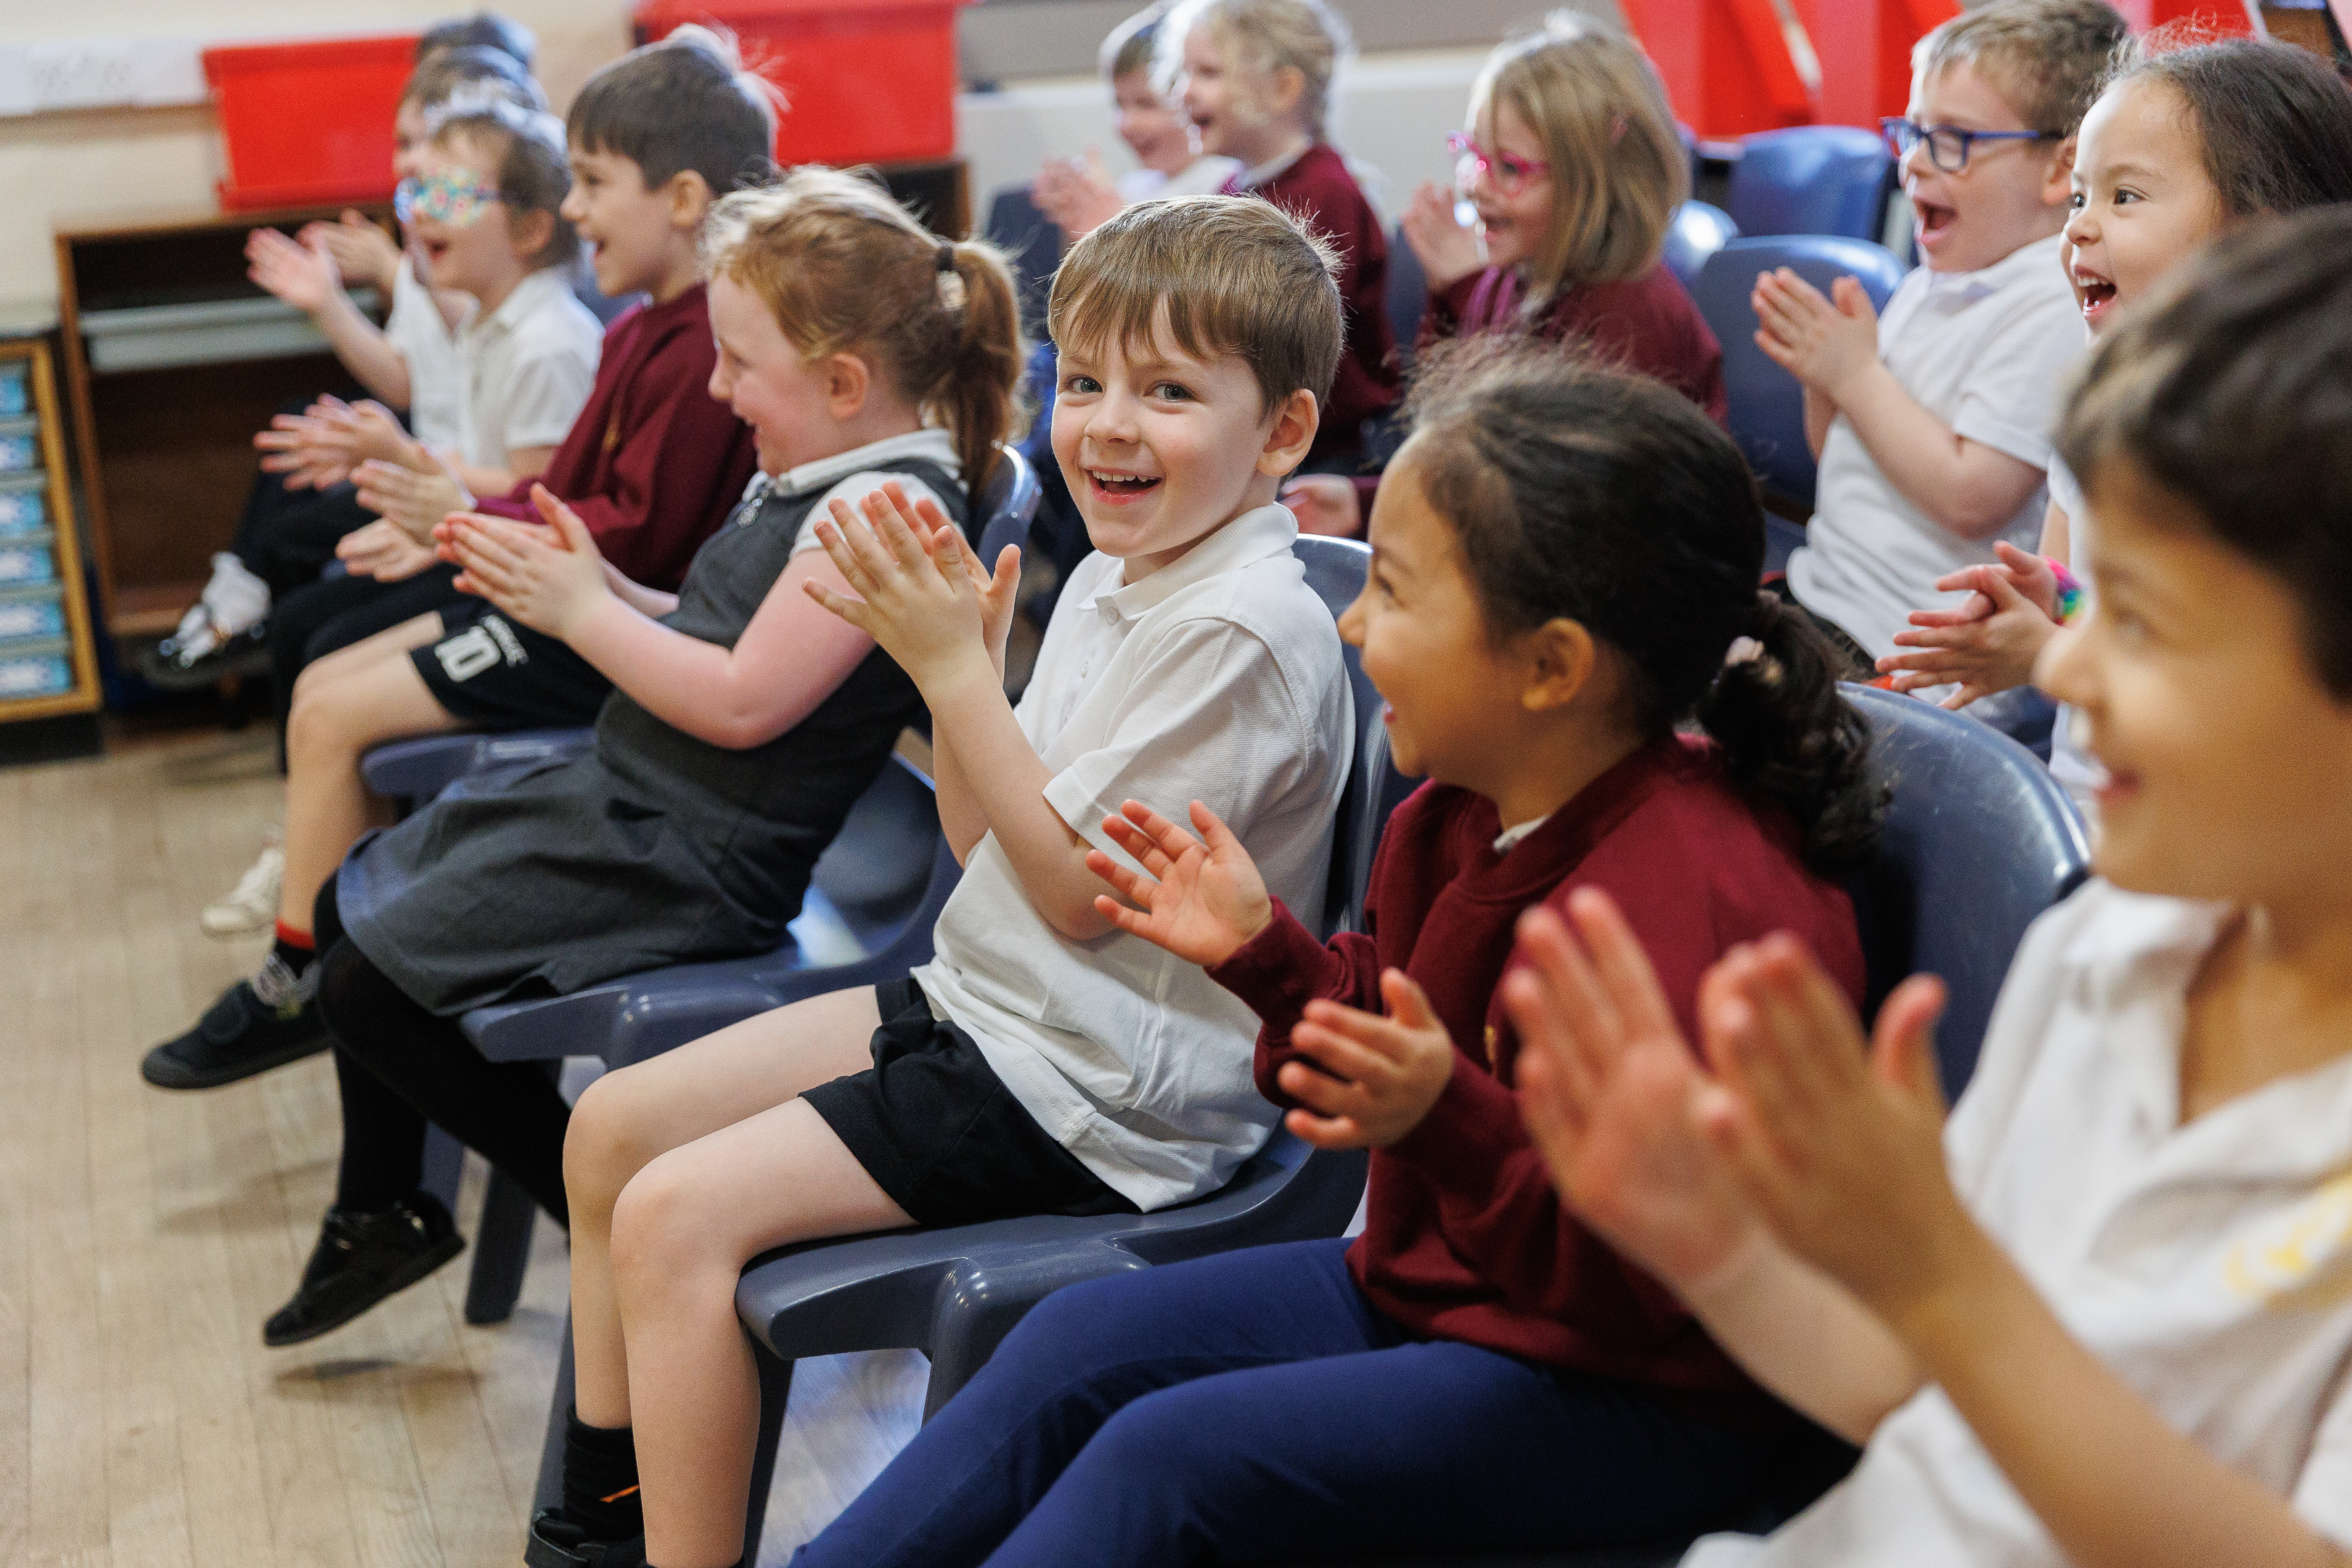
[[1646, 324], [654, 463], [1465, 1238], [1318, 189]]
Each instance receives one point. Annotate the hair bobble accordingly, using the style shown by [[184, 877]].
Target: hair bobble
[[952, 289]]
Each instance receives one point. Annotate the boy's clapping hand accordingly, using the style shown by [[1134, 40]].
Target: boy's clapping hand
[[551, 577], [302, 273], [383, 551], [922, 594], [1822, 341], [322, 445], [1201, 897], [416, 499], [1838, 1143], [1380, 1075]]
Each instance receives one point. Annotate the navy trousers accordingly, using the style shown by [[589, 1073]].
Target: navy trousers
[[1254, 1406]]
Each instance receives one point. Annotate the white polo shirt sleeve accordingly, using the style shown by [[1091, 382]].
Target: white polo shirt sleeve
[[2009, 399], [552, 370]]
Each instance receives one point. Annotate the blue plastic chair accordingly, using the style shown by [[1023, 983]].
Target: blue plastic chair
[[1406, 295], [1033, 244], [955, 1292], [1811, 179], [1978, 841], [1698, 232], [1768, 406]]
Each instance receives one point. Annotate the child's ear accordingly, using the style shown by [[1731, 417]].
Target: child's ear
[[2058, 176], [1561, 657], [531, 232], [847, 380], [1289, 433], [1283, 89], [689, 200]]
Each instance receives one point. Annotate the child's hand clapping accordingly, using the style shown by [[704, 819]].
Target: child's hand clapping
[[549, 578], [1611, 1095], [302, 274], [1380, 1075], [1989, 642], [1838, 1143], [1201, 897], [1824, 343], [416, 499], [361, 252], [1448, 252], [923, 596], [1077, 194], [323, 444], [383, 551]]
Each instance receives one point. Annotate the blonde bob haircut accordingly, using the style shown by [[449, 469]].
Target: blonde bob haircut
[[1263, 37], [846, 270], [1220, 274], [1618, 167]]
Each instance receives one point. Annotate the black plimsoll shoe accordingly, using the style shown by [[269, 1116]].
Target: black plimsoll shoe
[[256, 1025], [193, 663], [361, 1259], [558, 1541]]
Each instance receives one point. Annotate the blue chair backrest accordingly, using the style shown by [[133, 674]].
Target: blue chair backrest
[[1811, 179], [1698, 232], [1768, 406], [1407, 293], [1032, 243], [1979, 840], [1007, 504], [1335, 569]]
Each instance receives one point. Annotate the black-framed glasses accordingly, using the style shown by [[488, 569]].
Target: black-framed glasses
[[1947, 145]]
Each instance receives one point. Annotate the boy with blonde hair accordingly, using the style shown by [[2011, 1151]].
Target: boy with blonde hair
[[1932, 423]]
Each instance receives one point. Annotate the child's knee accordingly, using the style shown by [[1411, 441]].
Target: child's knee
[[604, 1146], [661, 1233]]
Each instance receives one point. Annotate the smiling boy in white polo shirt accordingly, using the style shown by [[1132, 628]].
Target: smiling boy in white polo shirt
[[1932, 423]]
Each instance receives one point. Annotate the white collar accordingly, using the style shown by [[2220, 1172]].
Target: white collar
[[1255, 536], [1251, 178], [1509, 839], [528, 296], [931, 444]]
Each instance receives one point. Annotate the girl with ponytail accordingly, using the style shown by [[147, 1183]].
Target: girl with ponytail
[[1563, 620]]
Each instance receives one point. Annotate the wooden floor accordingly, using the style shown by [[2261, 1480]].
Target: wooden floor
[[144, 1235]]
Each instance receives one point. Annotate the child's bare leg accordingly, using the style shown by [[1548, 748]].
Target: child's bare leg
[[343, 704], [628, 1118], [681, 1234]]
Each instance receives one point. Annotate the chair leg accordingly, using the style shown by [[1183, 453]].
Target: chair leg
[[558, 1406], [444, 1164], [502, 1250], [775, 1391]]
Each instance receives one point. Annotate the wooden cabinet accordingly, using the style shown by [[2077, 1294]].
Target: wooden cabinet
[[173, 361], [48, 665]]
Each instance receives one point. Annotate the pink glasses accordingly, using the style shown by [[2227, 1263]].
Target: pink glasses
[[1508, 172]]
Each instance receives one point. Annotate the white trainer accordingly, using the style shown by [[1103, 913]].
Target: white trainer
[[252, 904]]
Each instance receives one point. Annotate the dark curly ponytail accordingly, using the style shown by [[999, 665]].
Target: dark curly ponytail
[[1591, 494]]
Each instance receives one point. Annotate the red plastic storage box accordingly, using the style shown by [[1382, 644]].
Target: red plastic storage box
[[309, 122], [864, 82]]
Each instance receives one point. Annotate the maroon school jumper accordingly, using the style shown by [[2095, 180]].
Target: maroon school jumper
[[1318, 189], [1646, 324], [654, 463], [1465, 1239]]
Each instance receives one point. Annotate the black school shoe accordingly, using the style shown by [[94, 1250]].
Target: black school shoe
[[361, 1259], [172, 665], [558, 1541], [256, 1025]]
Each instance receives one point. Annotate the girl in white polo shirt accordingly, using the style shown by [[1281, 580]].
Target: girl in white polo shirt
[[2104, 1316]]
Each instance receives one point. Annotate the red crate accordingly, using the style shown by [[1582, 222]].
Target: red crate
[[864, 82], [310, 122]]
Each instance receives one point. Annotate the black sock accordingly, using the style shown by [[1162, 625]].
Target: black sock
[[599, 1479], [294, 949]]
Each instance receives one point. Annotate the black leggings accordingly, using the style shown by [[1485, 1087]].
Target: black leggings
[[400, 1068]]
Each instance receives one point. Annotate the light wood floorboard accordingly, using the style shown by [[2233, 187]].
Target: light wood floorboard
[[145, 1236]]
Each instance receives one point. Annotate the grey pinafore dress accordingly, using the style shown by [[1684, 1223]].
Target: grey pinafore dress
[[653, 849]]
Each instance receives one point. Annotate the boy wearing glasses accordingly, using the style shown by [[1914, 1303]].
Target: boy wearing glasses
[[1931, 424]]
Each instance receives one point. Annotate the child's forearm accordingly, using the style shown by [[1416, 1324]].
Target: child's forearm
[[713, 693], [1820, 411], [1806, 1338], [1963, 486], [646, 601], [2111, 1481], [2057, 534], [999, 775], [364, 349]]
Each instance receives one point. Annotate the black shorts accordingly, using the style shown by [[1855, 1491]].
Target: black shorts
[[940, 1132], [499, 673]]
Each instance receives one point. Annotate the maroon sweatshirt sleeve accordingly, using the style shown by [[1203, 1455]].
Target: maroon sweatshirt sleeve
[[1282, 969], [679, 459]]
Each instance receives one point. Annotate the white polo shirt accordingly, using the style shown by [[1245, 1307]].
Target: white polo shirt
[[2209, 1266], [1216, 678], [527, 368], [436, 391], [1987, 353]]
